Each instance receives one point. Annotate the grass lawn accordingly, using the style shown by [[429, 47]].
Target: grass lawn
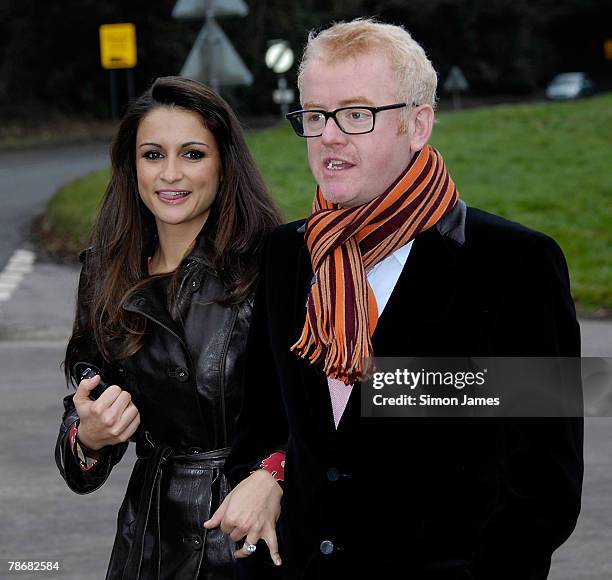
[[548, 166]]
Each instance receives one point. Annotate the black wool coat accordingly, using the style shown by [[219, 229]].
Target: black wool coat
[[186, 382], [440, 498]]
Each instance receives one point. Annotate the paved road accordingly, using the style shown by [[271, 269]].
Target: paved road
[[41, 519], [29, 178]]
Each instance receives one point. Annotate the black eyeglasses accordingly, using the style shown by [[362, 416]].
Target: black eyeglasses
[[350, 120]]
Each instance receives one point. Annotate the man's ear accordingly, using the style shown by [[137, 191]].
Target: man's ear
[[421, 126]]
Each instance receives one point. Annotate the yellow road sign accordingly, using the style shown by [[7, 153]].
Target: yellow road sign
[[608, 49], [118, 45]]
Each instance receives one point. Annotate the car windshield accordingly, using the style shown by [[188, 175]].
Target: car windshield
[[567, 78], [566, 81]]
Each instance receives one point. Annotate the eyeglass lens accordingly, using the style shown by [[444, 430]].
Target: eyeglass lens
[[353, 120]]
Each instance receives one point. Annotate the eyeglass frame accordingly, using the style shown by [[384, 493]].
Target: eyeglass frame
[[332, 115]]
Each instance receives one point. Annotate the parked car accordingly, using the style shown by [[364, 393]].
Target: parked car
[[570, 86]]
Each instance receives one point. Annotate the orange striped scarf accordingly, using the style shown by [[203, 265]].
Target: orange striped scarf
[[346, 242]]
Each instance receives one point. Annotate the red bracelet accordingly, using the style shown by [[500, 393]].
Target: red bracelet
[[274, 464]]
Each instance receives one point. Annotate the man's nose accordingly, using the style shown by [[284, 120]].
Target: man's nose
[[332, 133]]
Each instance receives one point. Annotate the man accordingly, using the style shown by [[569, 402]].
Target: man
[[392, 264]]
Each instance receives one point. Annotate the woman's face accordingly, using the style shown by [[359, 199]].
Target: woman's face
[[178, 167]]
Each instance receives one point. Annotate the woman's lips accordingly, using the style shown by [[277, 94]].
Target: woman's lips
[[172, 196]]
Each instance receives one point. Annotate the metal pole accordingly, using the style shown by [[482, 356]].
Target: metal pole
[[282, 87], [212, 77], [130, 84], [114, 94], [456, 100]]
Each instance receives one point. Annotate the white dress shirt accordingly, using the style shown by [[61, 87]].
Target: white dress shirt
[[382, 278]]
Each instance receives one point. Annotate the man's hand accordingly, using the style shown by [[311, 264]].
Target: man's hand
[[109, 420], [250, 511]]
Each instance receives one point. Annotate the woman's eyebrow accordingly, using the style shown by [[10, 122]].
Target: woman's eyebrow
[[187, 144]]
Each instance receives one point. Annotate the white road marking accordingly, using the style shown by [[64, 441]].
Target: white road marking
[[7, 277], [19, 264]]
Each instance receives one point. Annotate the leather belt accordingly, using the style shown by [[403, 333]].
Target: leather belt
[[149, 503]]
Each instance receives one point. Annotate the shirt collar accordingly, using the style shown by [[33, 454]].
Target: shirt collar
[[401, 254]]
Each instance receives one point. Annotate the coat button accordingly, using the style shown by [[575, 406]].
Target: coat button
[[181, 374], [327, 547], [195, 284], [193, 542], [333, 474]]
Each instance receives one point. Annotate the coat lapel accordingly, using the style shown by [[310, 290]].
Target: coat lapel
[[150, 303], [314, 382], [422, 296]]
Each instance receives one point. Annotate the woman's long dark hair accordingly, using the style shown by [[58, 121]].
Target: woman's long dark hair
[[115, 266]]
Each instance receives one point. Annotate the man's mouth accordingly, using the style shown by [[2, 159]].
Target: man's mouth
[[337, 164]]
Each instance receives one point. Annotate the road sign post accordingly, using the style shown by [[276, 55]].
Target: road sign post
[[279, 58], [456, 83], [118, 51], [212, 59], [118, 45]]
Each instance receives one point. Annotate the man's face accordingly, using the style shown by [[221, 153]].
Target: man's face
[[370, 162]]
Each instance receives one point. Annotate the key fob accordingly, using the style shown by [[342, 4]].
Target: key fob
[[85, 370]]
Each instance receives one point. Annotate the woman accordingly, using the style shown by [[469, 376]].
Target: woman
[[163, 311]]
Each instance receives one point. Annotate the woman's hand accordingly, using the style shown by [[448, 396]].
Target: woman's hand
[[109, 420], [250, 511]]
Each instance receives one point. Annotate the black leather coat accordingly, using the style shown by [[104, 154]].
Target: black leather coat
[[186, 381]]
